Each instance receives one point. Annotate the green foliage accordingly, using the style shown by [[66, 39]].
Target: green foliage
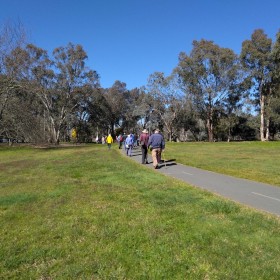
[[256, 59], [208, 90], [210, 75]]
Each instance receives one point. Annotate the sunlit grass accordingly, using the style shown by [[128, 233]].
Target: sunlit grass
[[257, 161], [89, 213]]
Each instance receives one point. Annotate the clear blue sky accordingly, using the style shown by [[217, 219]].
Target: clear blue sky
[[128, 40]]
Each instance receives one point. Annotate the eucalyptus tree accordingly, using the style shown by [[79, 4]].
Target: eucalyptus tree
[[188, 125], [98, 110], [12, 36], [275, 87], [74, 82], [165, 100], [142, 108], [117, 103], [58, 84], [232, 105], [7, 89], [86, 117], [256, 58], [31, 68], [275, 56], [206, 75], [121, 109], [135, 109], [20, 118]]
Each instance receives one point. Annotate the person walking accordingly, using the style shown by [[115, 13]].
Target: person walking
[[120, 140], [109, 141], [129, 144], [144, 139], [157, 144]]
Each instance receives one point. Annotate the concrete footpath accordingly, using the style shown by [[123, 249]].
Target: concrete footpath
[[257, 195]]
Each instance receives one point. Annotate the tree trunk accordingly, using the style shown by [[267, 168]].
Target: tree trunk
[[210, 126], [268, 111], [54, 133], [267, 135], [210, 130], [262, 125], [112, 130], [229, 135]]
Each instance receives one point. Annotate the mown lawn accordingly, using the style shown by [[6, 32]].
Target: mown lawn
[[88, 213], [258, 161]]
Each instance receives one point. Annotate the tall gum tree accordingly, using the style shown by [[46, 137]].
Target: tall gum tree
[[19, 68], [12, 36], [205, 76], [275, 87], [72, 82], [117, 103], [164, 99], [57, 83], [256, 58]]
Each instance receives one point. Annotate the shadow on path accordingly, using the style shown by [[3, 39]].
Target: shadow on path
[[254, 194]]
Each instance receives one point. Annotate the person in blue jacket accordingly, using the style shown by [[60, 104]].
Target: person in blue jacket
[[129, 144], [157, 144]]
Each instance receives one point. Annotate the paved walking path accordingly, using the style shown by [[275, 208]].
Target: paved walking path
[[257, 195]]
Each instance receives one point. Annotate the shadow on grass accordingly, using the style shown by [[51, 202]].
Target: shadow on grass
[[60, 147]]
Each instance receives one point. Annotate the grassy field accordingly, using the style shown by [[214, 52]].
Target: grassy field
[[258, 161], [88, 213]]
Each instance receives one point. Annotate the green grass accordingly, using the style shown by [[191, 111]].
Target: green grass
[[258, 161], [89, 213]]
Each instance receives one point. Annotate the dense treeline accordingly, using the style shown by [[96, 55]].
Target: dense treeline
[[213, 94]]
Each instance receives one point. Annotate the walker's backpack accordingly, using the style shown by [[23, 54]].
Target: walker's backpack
[[120, 138]]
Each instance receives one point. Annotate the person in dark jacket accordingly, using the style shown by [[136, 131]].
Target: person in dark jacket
[[120, 140], [144, 139], [156, 142]]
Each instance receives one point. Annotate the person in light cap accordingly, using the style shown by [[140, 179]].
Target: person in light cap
[[129, 144], [144, 138], [157, 144]]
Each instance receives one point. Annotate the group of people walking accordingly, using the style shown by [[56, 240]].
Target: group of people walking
[[154, 142]]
